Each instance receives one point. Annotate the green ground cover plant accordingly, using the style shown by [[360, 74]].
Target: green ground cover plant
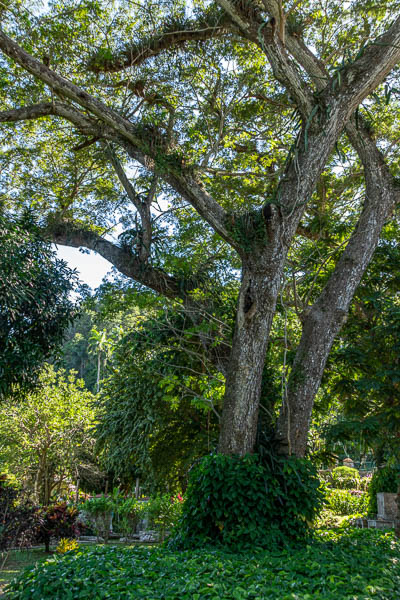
[[347, 502], [356, 564]]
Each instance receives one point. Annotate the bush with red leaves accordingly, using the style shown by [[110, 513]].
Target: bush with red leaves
[[57, 521]]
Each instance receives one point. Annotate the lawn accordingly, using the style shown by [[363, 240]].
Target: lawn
[[17, 561], [352, 565]]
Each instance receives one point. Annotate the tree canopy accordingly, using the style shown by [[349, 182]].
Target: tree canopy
[[35, 306], [47, 440]]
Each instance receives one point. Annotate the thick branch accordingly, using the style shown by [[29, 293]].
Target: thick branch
[[311, 152], [146, 145], [359, 78], [67, 89], [69, 234], [183, 183], [173, 35], [143, 208], [285, 70], [347, 89], [45, 109], [252, 24]]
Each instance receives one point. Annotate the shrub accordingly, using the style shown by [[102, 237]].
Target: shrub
[[66, 545], [56, 521], [17, 518], [347, 502], [100, 508], [242, 503], [383, 480], [129, 512], [163, 512], [98, 505], [345, 478], [360, 564]]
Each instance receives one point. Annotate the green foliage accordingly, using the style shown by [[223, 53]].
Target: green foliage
[[347, 501], [75, 354], [98, 505], [35, 308], [47, 436], [345, 478], [386, 480], [243, 503], [360, 564], [66, 545], [248, 230], [163, 512], [155, 411]]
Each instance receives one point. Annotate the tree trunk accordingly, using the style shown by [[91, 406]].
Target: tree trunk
[[40, 478], [98, 373], [325, 318], [46, 490], [77, 490], [318, 335], [36, 487], [256, 307], [397, 521]]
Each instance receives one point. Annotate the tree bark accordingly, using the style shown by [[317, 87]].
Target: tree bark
[[98, 373], [255, 311], [325, 318], [397, 520]]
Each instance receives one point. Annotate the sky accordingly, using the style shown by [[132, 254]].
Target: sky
[[91, 267]]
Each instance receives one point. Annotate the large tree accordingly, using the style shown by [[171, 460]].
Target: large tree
[[228, 114]]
